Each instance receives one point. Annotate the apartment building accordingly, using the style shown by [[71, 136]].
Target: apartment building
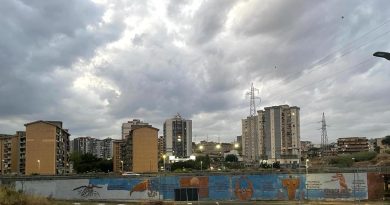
[[272, 135], [127, 126], [161, 146], [138, 152], [98, 148], [352, 144], [7, 153], [13, 153], [178, 137], [47, 148]]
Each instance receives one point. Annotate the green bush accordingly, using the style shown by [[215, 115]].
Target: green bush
[[346, 160]]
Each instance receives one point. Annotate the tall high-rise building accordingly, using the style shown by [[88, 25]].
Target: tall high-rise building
[[250, 139], [178, 136], [127, 126], [99, 148], [47, 148], [274, 137]]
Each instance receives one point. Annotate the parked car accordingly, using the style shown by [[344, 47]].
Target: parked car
[[130, 174]]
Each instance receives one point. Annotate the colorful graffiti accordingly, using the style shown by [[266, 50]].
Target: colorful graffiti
[[88, 191], [291, 185], [243, 188], [340, 186], [202, 183], [328, 186]]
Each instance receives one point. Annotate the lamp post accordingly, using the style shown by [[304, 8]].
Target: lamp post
[[354, 183], [39, 166], [122, 166], [307, 190], [201, 166], [2, 167], [164, 156]]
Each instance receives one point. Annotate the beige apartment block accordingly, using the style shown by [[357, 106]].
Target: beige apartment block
[[145, 149], [47, 148], [116, 156], [138, 152]]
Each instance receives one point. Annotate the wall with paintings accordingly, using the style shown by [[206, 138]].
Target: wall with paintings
[[327, 186]]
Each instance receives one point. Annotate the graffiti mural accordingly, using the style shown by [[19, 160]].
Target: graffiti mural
[[88, 191], [291, 185], [325, 186], [343, 186], [243, 188], [202, 183]]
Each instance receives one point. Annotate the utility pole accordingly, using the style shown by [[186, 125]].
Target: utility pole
[[253, 136], [324, 137]]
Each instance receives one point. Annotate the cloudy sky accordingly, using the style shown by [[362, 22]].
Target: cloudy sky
[[94, 65]]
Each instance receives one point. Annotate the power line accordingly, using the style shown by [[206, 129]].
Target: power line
[[327, 77]]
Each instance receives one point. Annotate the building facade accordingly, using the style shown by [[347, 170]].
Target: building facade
[[161, 146], [47, 148], [13, 153], [352, 144], [178, 137], [273, 135], [138, 152], [98, 148], [251, 145], [127, 126]]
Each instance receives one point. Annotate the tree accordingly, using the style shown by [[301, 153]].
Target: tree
[[231, 158], [83, 163], [386, 140]]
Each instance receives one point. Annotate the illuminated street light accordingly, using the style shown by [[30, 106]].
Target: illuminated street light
[[236, 145], [164, 156], [39, 165], [218, 146]]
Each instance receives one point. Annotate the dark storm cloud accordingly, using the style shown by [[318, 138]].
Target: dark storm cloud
[[210, 19], [96, 65], [38, 38]]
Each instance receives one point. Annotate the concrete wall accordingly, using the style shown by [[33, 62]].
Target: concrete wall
[[328, 186]]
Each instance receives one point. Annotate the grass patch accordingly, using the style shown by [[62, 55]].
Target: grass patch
[[9, 196], [347, 161]]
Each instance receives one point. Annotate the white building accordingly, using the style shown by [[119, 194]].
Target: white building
[[273, 135], [178, 137]]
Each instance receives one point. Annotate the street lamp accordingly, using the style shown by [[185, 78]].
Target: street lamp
[[164, 156], [122, 166], [354, 182], [307, 191], [236, 145], [384, 55], [201, 148], [39, 165], [2, 166]]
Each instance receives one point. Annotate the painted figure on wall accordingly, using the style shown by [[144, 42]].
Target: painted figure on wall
[[291, 185], [196, 182], [88, 191], [243, 188], [145, 185]]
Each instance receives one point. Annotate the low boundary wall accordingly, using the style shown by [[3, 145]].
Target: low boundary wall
[[326, 186]]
